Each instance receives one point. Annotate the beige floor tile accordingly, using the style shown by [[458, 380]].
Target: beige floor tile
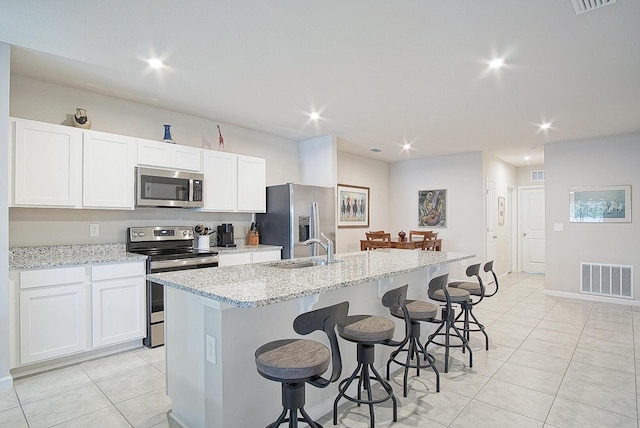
[[442, 407], [13, 418], [563, 338], [105, 418], [601, 397], [132, 383], [65, 407], [48, 384], [539, 361], [464, 383], [604, 359], [569, 317], [617, 348], [618, 317], [608, 325], [482, 415], [504, 326], [145, 410], [548, 348], [152, 355], [612, 336], [570, 414], [601, 376], [561, 326], [107, 368], [524, 401], [507, 339], [8, 400], [527, 377]]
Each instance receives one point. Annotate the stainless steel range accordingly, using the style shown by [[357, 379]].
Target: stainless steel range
[[167, 249]]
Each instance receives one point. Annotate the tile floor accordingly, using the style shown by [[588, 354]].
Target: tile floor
[[552, 363]]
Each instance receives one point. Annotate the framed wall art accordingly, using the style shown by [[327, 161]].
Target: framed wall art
[[600, 204], [353, 206], [432, 208]]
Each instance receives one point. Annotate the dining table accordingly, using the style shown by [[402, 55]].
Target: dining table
[[405, 244]]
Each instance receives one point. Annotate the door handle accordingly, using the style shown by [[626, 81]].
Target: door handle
[[495, 237], [524, 234]]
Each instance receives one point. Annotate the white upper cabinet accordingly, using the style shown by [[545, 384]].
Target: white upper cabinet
[[167, 155], [220, 181], [251, 184], [47, 165], [108, 170]]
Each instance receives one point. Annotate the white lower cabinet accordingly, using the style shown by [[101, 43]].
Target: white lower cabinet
[[249, 257], [53, 313], [117, 303], [70, 310]]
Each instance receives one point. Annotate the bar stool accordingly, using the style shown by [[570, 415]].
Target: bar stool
[[418, 311], [367, 331], [439, 292], [294, 362], [475, 288]]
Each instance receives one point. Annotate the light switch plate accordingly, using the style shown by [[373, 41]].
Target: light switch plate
[[211, 349], [94, 230], [558, 227]]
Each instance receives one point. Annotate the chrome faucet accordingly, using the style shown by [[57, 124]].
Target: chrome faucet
[[328, 247]]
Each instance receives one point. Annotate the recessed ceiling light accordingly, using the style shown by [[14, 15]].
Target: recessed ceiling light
[[527, 158], [544, 126], [155, 63], [314, 116], [496, 63], [406, 146]]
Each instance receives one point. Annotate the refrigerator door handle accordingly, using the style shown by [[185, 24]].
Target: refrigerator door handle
[[315, 225]]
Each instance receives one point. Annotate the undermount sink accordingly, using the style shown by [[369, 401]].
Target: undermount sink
[[302, 264]]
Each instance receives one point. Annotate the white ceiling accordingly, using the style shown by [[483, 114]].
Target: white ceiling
[[380, 72]]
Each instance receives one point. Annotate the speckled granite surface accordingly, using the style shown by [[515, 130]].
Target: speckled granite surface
[[21, 258], [264, 284]]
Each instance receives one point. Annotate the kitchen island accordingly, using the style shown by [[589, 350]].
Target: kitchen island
[[217, 317]]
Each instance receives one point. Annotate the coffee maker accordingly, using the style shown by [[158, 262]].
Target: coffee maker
[[225, 235]]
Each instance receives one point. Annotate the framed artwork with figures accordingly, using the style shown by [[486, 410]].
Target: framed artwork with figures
[[353, 206], [432, 208]]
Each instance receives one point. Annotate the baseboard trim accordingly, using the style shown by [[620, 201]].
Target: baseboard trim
[[592, 298]]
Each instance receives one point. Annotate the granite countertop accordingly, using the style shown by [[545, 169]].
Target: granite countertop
[[21, 258], [263, 284]]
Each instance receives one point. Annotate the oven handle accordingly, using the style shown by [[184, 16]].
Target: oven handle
[[179, 263]]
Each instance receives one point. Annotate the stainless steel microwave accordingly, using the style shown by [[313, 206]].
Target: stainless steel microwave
[[168, 188]]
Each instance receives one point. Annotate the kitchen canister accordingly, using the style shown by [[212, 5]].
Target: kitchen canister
[[204, 242]]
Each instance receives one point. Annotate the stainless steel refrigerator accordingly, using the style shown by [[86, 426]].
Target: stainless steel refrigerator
[[296, 213]]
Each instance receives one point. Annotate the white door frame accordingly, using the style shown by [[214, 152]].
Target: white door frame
[[512, 209]]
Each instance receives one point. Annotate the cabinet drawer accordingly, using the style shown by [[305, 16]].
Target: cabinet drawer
[[46, 277], [266, 256], [120, 270]]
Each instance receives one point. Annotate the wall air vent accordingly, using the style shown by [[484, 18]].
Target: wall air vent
[[582, 6], [537, 175], [606, 280]]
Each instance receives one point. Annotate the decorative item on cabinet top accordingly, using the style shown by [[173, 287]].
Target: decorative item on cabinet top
[[220, 139], [80, 119], [167, 135]]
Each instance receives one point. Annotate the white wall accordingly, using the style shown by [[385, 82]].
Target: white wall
[[5, 55], [33, 99], [503, 175], [360, 171], [604, 161], [462, 176], [318, 161]]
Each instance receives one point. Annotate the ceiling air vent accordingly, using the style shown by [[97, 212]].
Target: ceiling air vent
[[537, 175], [582, 6], [375, 150]]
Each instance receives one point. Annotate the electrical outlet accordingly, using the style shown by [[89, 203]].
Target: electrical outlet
[[211, 349], [94, 230], [463, 262]]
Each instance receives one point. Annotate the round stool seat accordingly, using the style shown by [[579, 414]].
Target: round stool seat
[[456, 295], [367, 329], [472, 287], [418, 310], [292, 359]]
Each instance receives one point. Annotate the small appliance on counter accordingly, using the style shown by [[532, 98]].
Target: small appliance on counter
[[225, 235]]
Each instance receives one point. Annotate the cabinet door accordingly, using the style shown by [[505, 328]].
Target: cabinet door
[[53, 322], [251, 184], [47, 164], [186, 158], [153, 153], [118, 309], [221, 181], [108, 171], [234, 259]]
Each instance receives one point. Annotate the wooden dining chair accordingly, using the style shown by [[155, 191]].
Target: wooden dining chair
[[378, 240], [427, 237]]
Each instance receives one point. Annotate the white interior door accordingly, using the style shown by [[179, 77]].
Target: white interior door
[[532, 229], [511, 231], [491, 204]]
